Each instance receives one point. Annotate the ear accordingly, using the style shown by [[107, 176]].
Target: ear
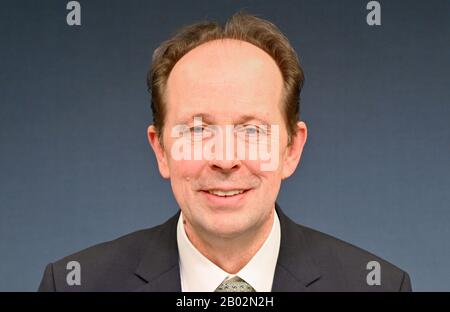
[[294, 151], [160, 154]]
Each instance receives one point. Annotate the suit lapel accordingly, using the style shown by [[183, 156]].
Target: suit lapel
[[295, 270], [159, 267]]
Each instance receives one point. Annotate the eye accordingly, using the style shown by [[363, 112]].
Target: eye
[[200, 132], [249, 130], [197, 129]]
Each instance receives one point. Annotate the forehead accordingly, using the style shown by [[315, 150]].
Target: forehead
[[225, 77]]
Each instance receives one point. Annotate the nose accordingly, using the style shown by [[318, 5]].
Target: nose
[[225, 165], [224, 158]]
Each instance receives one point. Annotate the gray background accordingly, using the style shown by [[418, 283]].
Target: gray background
[[76, 168]]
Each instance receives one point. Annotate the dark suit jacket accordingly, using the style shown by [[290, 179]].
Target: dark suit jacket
[[147, 260]]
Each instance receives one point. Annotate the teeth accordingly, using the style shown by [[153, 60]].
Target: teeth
[[225, 193]]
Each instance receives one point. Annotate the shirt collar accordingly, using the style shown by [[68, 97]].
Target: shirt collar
[[198, 273]]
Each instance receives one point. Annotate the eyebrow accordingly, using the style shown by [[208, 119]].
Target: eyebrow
[[209, 119], [244, 118]]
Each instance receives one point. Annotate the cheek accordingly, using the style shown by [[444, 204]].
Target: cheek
[[185, 169], [270, 154], [183, 177], [269, 165], [255, 167]]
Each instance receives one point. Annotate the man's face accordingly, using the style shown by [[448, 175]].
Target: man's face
[[226, 82]]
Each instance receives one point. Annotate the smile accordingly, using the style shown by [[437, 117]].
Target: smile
[[225, 193], [229, 198]]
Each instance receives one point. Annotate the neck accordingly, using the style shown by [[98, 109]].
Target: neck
[[231, 254]]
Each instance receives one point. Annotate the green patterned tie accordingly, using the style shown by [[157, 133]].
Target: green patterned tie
[[235, 284]]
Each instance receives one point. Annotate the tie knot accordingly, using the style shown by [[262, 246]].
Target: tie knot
[[234, 284]]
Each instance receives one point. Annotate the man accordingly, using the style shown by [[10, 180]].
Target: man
[[219, 96]]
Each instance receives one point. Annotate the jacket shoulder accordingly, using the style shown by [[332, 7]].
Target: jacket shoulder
[[101, 267], [356, 269]]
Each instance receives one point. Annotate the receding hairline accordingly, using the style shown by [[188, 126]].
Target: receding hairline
[[227, 44], [230, 43], [243, 27]]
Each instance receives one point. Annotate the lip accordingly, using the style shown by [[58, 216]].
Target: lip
[[229, 201]]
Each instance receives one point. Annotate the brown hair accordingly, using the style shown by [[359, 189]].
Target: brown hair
[[240, 26]]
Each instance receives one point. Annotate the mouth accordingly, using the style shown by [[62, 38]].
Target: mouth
[[232, 197], [223, 193]]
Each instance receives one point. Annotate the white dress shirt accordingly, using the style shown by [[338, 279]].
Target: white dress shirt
[[198, 273]]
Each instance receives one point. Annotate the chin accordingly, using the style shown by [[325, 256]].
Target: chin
[[228, 226], [227, 232]]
